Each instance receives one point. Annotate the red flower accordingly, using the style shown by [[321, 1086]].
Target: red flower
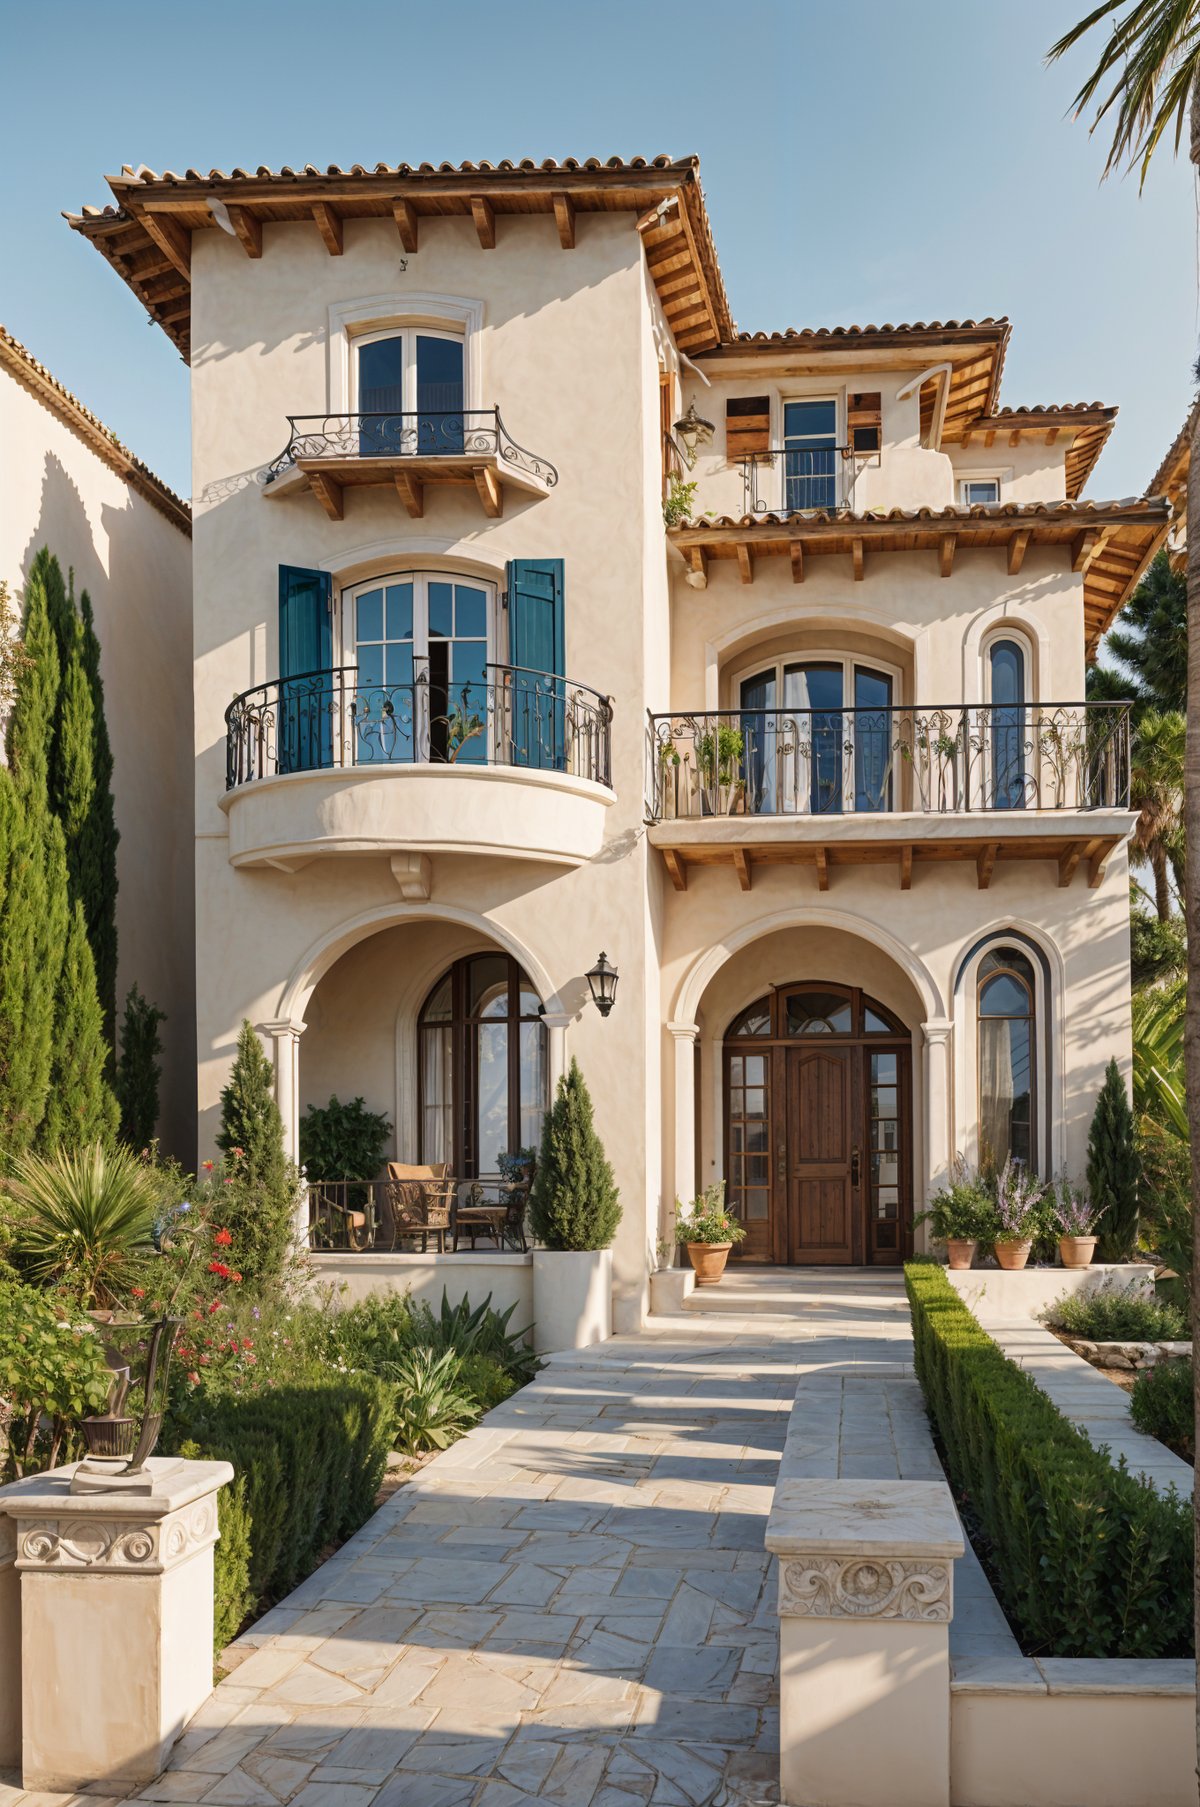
[[208, 1166], [237, 1278], [218, 1267], [252, 1358], [239, 1152], [228, 1181], [139, 1292], [215, 1306], [223, 1238], [247, 1342], [194, 1378]]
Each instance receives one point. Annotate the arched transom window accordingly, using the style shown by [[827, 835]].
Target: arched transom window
[[1007, 1066], [482, 1065]]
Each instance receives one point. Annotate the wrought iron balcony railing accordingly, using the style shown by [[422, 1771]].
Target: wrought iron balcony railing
[[824, 762], [330, 720], [780, 481], [463, 433]]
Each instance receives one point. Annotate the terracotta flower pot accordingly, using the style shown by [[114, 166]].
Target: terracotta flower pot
[[708, 1259], [1013, 1255], [1077, 1251], [960, 1252]]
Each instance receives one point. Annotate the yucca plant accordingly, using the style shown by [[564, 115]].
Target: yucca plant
[[84, 1221], [431, 1407]]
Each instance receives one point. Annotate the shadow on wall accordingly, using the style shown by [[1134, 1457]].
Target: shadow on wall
[[136, 567]]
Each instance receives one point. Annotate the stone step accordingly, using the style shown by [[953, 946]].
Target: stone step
[[793, 1292]]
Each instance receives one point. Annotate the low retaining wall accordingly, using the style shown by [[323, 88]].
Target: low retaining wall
[[989, 1291], [508, 1278]]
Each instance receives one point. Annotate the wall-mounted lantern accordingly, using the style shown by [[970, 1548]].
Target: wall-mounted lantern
[[602, 979], [692, 431]]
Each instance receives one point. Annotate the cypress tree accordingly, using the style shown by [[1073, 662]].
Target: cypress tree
[[261, 1196], [80, 1107], [139, 1071], [71, 777], [574, 1203], [1113, 1168], [100, 901]]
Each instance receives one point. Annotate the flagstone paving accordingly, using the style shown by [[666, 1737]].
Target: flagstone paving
[[573, 1605]]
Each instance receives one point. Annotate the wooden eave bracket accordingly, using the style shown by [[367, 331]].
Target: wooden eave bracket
[[329, 225], [796, 550], [564, 219], [248, 228], [171, 239], [745, 563], [741, 866], [484, 216], [329, 494], [411, 492], [860, 564], [405, 216], [676, 867], [946, 551], [490, 491], [906, 866], [821, 855], [1017, 548], [1068, 861], [985, 861]]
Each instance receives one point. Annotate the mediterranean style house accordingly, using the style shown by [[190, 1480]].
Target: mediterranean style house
[[809, 763], [71, 485]]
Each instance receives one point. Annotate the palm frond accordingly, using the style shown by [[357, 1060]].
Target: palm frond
[[1144, 76]]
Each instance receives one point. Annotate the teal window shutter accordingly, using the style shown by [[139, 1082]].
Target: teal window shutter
[[536, 650], [306, 679]]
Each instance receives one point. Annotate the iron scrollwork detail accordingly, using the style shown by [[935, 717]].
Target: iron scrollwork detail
[[444, 433]]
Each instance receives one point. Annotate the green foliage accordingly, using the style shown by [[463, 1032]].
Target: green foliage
[[1167, 1188], [677, 505], [308, 1458], [33, 926], [98, 860], [485, 1381], [263, 1183], [343, 1141], [52, 1372], [81, 1107], [718, 756], [1118, 1314], [482, 1331], [706, 1218], [432, 1405], [1157, 950], [1089, 1560], [1162, 1405], [1159, 1086], [139, 1070], [963, 1211], [1113, 1167], [574, 1203], [83, 1220], [1149, 639]]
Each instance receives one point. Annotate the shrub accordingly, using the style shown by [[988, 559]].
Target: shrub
[[432, 1405], [1118, 1314], [1089, 1560], [376, 1330], [483, 1331], [263, 1182], [308, 1460], [1112, 1169], [962, 1211], [574, 1202], [52, 1373], [84, 1221], [485, 1381], [343, 1141], [1161, 1404]]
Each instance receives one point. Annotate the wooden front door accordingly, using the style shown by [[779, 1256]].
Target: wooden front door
[[822, 1159], [818, 1128]]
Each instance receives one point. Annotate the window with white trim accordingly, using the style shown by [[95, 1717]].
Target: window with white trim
[[421, 643], [976, 491], [409, 391]]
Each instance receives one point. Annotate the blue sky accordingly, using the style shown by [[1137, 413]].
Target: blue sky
[[881, 161]]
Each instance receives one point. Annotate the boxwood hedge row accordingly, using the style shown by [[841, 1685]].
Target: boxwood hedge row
[[1089, 1560]]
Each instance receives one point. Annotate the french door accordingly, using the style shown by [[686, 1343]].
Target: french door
[[817, 738], [421, 644], [818, 1088], [410, 393]]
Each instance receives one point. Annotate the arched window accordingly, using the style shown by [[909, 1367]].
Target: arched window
[[409, 392], [483, 1074], [1006, 683], [1006, 1033]]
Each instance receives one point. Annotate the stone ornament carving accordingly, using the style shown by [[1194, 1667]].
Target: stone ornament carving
[[861, 1587], [117, 1544]]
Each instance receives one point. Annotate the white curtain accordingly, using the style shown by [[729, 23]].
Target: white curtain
[[437, 1094], [995, 1088]]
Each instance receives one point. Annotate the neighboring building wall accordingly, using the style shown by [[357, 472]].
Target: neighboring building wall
[[135, 563]]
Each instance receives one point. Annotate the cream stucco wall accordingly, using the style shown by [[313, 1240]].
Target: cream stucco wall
[[136, 566]]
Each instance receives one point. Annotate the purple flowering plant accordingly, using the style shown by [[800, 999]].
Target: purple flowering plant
[[1074, 1214], [1018, 1195]]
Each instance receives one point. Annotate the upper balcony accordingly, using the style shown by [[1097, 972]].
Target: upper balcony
[[468, 448], [901, 785], [517, 765]]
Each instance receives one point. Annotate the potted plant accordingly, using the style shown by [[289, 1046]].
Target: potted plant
[[960, 1216], [668, 777], [574, 1210], [709, 1232], [1018, 1195], [718, 757], [1075, 1218]]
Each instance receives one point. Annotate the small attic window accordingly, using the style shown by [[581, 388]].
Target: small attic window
[[979, 490], [864, 422]]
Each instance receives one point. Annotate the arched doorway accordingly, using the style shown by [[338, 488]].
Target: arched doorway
[[817, 1089]]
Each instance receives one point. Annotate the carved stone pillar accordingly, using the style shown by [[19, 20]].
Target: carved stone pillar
[[866, 1589], [683, 1036], [116, 1621], [939, 1113], [286, 1037]]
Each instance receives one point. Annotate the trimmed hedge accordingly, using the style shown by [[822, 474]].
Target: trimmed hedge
[[308, 1459], [1089, 1560]]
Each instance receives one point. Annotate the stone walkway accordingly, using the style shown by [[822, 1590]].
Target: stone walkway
[[573, 1605]]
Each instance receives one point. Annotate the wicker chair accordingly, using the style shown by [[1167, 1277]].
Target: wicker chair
[[414, 1201]]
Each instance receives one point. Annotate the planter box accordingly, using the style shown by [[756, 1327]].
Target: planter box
[[990, 1292], [572, 1298]]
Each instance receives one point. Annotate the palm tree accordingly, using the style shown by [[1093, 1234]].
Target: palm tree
[[1156, 792], [1146, 83]]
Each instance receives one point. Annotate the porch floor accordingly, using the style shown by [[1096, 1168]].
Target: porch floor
[[573, 1604]]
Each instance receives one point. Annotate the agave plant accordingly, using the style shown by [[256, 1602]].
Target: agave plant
[[84, 1221], [431, 1407]]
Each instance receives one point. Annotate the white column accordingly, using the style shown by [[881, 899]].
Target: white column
[[286, 1037], [556, 1022], [10, 1646], [939, 1112], [683, 1036], [119, 1588]]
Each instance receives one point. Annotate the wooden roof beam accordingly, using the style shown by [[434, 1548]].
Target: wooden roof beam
[[248, 228], [676, 867], [985, 861], [1017, 548], [797, 554], [946, 553], [745, 563], [1051, 435], [906, 865], [329, 225], [858, 557], [821, 855], [1068, 861], [698, 561], [1083, 549], [405, 216], [484, 216], [742, 867], [171, 239], [1097, 862], [411, 492], [564, 219]]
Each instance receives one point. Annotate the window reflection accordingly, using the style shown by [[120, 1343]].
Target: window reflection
[[483, 1064], [1006, 1057]]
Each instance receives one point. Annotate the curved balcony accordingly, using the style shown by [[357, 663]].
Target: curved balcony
[[516, 764], [861, 785], [472, 448]]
